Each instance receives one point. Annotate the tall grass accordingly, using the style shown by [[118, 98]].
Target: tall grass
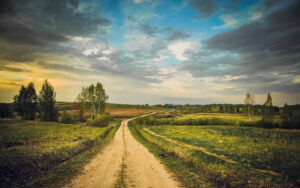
[[216, 170], [31, 148], [215, 120]]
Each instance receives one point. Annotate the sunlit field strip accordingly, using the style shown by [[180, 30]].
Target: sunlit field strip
[[270, 151], [222, 157]]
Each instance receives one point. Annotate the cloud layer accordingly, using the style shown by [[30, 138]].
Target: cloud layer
[[162, 51]]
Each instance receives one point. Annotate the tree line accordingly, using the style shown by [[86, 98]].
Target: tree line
[[29, 105]]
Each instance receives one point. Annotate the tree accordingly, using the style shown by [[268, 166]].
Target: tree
[[267, 112], [249, 101], [19, 101], [91, 99], [25, 103], [100, 97], [82, 99], [95, 96], [47, 102]]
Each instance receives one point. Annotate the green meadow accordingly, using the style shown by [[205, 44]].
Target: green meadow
[[31, 148], [229, 155]]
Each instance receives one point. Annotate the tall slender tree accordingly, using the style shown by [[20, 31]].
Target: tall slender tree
[[91, 98], [101, 98], [26, 102], [19, 101], [82, 100], [47, 102], [249, 101], [268, 112]]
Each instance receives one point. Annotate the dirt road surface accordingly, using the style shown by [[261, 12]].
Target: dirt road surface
[[142, 168]]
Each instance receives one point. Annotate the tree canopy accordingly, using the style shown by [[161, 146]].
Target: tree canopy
[[47, 102]]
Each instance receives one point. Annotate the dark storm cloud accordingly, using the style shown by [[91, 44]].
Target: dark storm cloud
[[206, 8], [66, 20], [267, 4], [28, 28], [265, 53], [6, 8], [232, 5], [58, 16], [265, 45], [15, 30]]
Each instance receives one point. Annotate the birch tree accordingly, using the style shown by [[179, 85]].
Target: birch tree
[[95, 97], [249, 101]]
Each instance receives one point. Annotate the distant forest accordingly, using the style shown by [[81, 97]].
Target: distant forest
[[7, 108]]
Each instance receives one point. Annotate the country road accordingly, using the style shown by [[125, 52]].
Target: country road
[[142, 169]]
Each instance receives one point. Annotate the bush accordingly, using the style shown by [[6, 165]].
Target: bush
[[100, 121], [291, 124], [65, 118], [6, 110]]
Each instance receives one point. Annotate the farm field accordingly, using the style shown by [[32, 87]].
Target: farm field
[[129, 112], [121, 112], [29, 148], [232, 155]]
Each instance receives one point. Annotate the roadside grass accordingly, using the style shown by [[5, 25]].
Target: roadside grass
[[267, 149], [33, 149], [120, 183], [182, 169], [207, 166]]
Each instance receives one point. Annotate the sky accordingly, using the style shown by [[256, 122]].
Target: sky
[[153, 51]]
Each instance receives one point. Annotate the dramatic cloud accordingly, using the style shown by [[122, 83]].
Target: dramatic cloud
[[6, 8], [206, 8], [266, 45], [17, 30], [62, 16], [153, 51]]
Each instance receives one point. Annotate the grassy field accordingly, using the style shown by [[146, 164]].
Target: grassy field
[[232, 155], [31, 148], [211, 119], [236, 117]]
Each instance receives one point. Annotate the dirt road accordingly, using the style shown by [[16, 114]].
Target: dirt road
[[142, 169]]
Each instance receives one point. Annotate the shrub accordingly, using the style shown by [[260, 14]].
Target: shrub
[[6, 110], [291, 124], [65, 118], [100, 121]]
